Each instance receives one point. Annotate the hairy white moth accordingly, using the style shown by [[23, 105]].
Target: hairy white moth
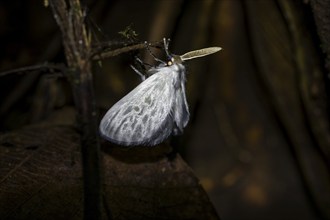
[[156, 108]]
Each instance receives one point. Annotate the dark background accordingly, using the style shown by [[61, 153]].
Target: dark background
[[258, 138]]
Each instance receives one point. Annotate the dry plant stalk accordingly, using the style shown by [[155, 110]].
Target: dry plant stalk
[[77, 45]]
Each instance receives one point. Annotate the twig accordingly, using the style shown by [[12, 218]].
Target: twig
[[98, 55], [47, 66]]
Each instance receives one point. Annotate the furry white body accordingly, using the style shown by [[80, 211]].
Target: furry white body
[[152, 111]]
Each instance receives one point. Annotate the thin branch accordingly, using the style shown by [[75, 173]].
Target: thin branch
[[48, 66], [98, 55]]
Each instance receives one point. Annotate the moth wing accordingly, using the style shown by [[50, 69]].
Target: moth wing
[[185, 107], [181, 113], [143, 116]]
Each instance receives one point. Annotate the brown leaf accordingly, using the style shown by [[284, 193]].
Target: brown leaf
[[41, 178], [40, 174]]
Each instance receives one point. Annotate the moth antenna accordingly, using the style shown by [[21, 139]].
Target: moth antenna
[[199, 53]]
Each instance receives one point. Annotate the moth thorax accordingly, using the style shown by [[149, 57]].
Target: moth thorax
[[178, 67]]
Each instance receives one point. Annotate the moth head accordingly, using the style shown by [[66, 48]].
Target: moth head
[[174, 59]]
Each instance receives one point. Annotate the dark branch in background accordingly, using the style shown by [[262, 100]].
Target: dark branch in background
[[51, 68], [97, 54], [77, 46]]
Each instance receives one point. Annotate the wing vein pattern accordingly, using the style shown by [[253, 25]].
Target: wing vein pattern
[[145, 115]]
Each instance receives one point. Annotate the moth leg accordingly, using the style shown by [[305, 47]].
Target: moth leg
[[153, 55], [143, 64], [143, 77], [177, 131]]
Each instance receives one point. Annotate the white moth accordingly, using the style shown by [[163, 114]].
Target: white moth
[[156, 108]]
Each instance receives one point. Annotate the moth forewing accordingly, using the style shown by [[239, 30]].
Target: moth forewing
[[143, 116], [199, 53]]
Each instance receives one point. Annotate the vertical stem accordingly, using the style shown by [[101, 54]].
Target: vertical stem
[[77, 46], [89, 149]]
